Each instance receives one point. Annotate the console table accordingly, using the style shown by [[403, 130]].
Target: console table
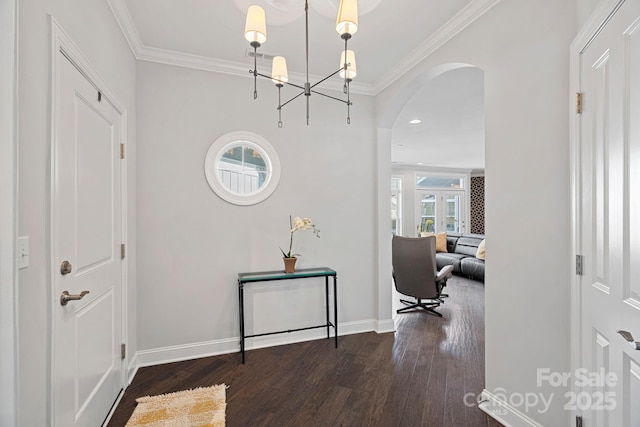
[[266, 276]]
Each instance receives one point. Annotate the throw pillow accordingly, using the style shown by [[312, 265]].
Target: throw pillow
[[441, 242], [480, 251]]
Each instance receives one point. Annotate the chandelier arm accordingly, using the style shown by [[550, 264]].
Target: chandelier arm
[[326, 78], [294, 85], [295, 97], [280, 81], [332, 97]]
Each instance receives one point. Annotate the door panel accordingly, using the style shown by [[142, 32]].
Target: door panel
[[86, 207], [610, 211], [95, 361], [94, 181], [632, 58], [631, 391]]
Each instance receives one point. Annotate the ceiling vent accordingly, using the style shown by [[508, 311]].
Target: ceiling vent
[[260, 56]]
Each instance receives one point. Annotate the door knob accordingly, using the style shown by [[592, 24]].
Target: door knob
[[629, 338], [65, 267], [66, 297]]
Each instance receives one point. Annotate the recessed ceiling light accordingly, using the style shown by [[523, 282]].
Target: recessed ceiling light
[[420, 163], [415, 121]]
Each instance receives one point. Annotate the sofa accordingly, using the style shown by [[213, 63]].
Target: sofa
[[461, 254]]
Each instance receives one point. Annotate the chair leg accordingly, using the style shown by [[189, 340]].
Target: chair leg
[[419, 304]]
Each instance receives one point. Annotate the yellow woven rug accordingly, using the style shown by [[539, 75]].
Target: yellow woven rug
[[200, 407]]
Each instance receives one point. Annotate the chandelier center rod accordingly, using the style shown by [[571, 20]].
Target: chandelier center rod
[[306, 28]]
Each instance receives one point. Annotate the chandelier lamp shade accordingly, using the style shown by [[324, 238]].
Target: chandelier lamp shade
[[255, 31]]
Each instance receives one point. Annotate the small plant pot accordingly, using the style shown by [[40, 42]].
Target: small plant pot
[[289, 264]]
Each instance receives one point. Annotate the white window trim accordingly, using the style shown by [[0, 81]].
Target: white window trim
[[220, 146], [400, 213]]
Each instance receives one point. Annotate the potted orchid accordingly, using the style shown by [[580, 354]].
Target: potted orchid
[[296, 224]]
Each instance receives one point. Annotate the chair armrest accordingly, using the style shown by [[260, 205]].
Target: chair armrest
[[444, 273]]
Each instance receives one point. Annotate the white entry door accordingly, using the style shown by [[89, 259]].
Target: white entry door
[[608, 392], [86, 237]]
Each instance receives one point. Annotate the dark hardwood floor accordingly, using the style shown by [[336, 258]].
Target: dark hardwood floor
[[417, 376]]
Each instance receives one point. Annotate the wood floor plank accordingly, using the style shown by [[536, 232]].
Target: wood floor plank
[[417, 376]]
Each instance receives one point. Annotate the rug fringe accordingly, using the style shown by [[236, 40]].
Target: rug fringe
[[216, 387]]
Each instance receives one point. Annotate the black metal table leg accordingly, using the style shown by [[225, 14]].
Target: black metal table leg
[[335, 307], [241, 302], [326, 299]]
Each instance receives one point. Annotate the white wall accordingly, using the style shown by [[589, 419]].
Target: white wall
[[192, 244], [93, 28], [8, 201], [523, 49], [584, 8]]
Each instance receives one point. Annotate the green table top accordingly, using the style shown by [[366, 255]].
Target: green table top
[[262, 276]]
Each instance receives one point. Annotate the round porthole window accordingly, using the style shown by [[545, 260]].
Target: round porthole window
[[242, 168]]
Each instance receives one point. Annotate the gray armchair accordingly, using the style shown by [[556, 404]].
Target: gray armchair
[[415, 273]]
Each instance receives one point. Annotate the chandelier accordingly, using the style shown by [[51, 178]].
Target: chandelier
[[255, 32]]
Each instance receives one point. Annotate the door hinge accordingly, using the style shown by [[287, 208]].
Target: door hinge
[[579, 103], [579, 265], [122, 151], [578, 420], [122, 251], [123, 350]]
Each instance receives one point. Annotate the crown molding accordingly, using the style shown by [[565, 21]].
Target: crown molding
[[197, 62], [162, 56], [127, 26], [454, 26]]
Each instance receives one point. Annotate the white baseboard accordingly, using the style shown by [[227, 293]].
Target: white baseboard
[[503, 412], [176, 353], [132, 368], [384, 326], [158, 356]]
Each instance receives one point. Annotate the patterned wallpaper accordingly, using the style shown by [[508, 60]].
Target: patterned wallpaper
[[477, 204]]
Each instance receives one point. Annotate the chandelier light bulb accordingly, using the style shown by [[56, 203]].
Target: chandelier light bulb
[[279, 73], [351, 65], [255, 29], [347, 20]]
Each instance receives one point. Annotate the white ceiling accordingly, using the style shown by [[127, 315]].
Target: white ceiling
[[392, 35], [451, 133]]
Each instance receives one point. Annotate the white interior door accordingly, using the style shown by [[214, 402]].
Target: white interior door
[[610, 224], [86, 207]]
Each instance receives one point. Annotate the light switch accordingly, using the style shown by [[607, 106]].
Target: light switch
[[23, 252]]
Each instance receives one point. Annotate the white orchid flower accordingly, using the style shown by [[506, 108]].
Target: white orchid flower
[[296, 224]]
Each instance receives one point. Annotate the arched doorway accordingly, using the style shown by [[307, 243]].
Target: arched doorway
[[450, 99]]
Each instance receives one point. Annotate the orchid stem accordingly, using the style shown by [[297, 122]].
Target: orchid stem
[[291, 238]]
